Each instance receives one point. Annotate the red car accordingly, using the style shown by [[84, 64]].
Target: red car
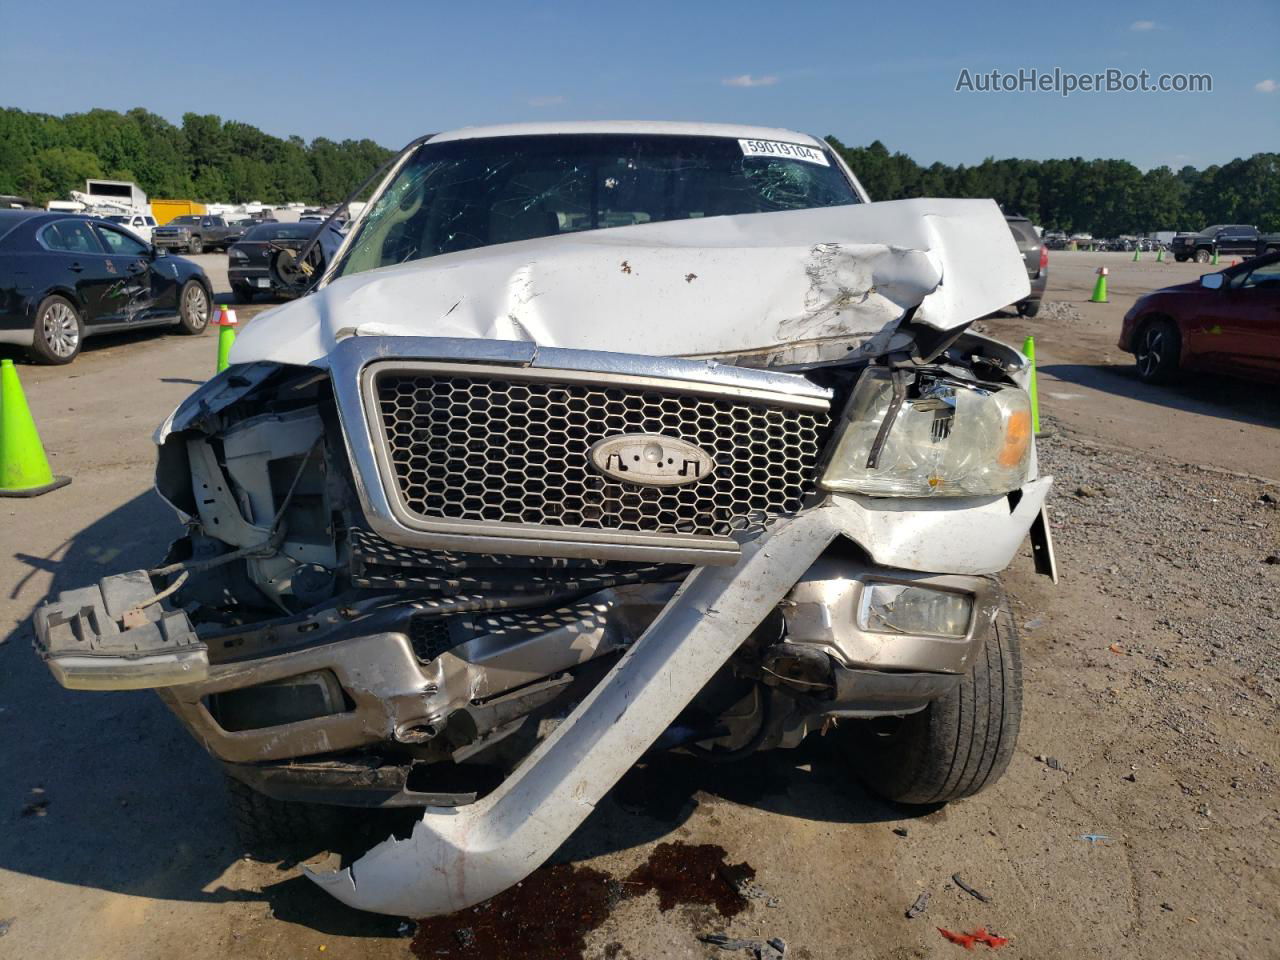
[[1226, 322]]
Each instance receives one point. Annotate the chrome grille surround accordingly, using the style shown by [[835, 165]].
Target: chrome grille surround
[[438, 462]]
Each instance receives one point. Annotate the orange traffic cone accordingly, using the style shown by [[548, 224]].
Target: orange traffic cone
[[24, 469]]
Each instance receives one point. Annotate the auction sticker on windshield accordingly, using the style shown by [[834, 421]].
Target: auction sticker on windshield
[[778, 148]]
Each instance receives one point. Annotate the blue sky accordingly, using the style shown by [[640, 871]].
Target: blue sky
[[884, 71]]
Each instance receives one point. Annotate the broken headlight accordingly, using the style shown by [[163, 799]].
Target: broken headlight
[[901, 608], [926, 435]]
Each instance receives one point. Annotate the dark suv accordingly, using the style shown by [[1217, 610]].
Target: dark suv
[[1036, 256], [1233, 239]]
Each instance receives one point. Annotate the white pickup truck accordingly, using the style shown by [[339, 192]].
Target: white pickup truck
[[139, 224]]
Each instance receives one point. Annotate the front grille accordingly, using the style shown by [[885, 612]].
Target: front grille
[[516, 451]]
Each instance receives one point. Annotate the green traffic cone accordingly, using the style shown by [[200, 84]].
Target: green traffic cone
[[1100, 288], [24, 469], [1136, 258], [1215, 257], [1160, 255], [1029, 351]]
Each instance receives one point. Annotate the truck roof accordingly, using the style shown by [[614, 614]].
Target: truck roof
[[655, 127]]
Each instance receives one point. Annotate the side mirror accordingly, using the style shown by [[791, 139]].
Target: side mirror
[[1212, 281]]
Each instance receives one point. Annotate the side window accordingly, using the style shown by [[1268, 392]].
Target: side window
[[120, 244], [1267, 276], [70, 236]]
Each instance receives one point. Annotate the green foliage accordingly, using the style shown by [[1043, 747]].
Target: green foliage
[[207, 158], [44, 157], [1103, 197]]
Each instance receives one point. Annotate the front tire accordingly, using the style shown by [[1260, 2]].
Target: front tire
[[1203, 256], [193, 307], [1028, 308], [265, 825], [1157, 351], [59, 332], [960, 743], [195, 246]]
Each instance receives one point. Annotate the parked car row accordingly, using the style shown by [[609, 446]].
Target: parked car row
[[66, 277]]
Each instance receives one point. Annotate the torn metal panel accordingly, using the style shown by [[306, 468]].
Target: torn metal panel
[[788, 288], [457, 858]]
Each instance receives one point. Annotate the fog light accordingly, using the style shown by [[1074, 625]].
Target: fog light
[[899, 608]]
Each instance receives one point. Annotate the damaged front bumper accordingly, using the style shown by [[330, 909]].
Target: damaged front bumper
[[344, 638]]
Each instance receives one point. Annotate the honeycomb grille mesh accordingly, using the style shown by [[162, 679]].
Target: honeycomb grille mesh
[[517, 451]]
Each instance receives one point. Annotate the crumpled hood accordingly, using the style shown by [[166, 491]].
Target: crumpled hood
[[768, 289]]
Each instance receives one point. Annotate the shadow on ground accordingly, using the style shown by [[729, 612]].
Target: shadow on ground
[[107, 791], [1204, 394]]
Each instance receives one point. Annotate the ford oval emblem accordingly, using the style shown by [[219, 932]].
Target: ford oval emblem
[[651, 461]]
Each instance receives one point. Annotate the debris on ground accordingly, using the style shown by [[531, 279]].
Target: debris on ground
[[1086, 490], [750, 890], [918, 908], [901, 831], [976, 894], [967, 940], [1059, 311], [1051, 762], [775, 948], [4, 926], [1093, 839]]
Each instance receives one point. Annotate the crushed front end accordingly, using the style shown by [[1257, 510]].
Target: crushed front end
[[483, 573], [403, 575]]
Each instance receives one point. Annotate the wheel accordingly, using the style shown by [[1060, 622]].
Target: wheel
[[1028, 308], [195, 246], [59, 331], [242, 292], [193, 307], [264, 824], [957, 745], [1157, 351], [1203, 256]]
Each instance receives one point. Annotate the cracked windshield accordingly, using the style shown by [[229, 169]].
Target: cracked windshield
[[463, 194]]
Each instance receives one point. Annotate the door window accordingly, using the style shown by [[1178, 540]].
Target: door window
[[70, 236], [120, 244], [1266, 276]]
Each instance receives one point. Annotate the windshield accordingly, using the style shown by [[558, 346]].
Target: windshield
[[463, 194]]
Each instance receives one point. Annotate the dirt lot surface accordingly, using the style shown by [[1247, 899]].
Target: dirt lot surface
[[1140, 816]]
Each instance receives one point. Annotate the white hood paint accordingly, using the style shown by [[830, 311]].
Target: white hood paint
[[767, 289]]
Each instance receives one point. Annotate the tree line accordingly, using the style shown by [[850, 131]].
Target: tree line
[[1103, 197], [207, 158], [43, 157]]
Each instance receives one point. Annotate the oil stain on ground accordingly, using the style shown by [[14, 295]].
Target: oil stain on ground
[[548, 916]]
